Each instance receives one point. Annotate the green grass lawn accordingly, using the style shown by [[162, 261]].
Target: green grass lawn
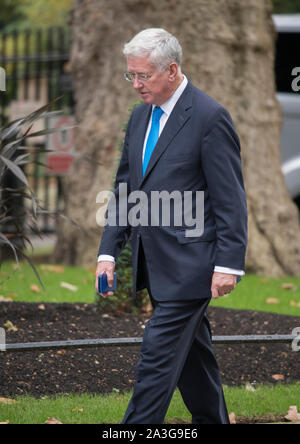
[[16, 284], [91, 409], [252, 293], [264, 294]]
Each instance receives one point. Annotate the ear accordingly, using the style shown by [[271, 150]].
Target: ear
[[173, 71]]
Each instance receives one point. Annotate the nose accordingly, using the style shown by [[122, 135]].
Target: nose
[[136, 82]]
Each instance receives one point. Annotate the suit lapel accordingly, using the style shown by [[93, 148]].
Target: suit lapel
[[179, 116]]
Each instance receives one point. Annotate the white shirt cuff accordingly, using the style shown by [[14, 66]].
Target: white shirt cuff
[[106, 257], [229, 271]]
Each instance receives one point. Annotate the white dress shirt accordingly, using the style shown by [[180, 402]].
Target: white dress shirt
[[167, 108]]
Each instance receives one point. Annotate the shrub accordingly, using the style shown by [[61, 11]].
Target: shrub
[[17, 220]]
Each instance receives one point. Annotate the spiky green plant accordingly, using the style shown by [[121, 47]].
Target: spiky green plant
[[14, 155]]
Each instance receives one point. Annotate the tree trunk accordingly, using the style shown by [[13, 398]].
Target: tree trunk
[[228, 51]]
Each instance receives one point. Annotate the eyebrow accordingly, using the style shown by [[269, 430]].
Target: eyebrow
[[141, 72]]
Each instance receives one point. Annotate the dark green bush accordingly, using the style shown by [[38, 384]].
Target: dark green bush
[[17, 220]]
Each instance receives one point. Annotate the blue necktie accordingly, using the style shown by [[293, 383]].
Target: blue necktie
[[153, 136]]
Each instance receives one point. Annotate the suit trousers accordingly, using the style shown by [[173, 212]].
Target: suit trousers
[[176, 351]]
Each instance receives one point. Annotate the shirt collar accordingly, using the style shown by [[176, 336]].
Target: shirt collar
[[168, 106]]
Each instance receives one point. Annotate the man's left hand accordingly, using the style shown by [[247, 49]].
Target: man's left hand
[[222, 283]]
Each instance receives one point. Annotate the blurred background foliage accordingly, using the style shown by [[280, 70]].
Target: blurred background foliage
[[286, 6], [21, 14], [17, 15], [23, 23]]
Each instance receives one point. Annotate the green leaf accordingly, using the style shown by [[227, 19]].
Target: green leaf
[[7, 242], [15, 170], [37, 114], [49, 131], [14, 144]]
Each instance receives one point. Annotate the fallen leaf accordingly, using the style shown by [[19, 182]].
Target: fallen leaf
[[272, 301], [264, 280], [3, 299], [288, 286], [69, 286], [6, 422], [232, 418], [147, 308], [293, 414], [294, 304], [10, 326], [278, 377], [41, 307], [34, 288], [77, 410], [7, 401], [249, 387], [53, 421], [62, 352], [54, 268]]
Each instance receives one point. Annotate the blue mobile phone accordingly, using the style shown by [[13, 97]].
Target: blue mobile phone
[[103, 286]]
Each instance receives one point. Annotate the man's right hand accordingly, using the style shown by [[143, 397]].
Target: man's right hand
[[105, 267]]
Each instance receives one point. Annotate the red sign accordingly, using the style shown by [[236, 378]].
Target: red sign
[[62, 141], [58, 163]]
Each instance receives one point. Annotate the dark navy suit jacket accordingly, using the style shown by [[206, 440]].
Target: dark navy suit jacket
[[198, 150]]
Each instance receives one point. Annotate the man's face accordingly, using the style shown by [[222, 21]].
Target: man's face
[[157, 89]]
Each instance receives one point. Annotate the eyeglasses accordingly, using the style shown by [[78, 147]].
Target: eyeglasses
[[129, 76]]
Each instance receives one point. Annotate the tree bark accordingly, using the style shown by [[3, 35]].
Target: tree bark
[[228, 51]]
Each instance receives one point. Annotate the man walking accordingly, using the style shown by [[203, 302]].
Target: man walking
[[178, 140]]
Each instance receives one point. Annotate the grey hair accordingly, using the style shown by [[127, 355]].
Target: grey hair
[[161, 46]]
